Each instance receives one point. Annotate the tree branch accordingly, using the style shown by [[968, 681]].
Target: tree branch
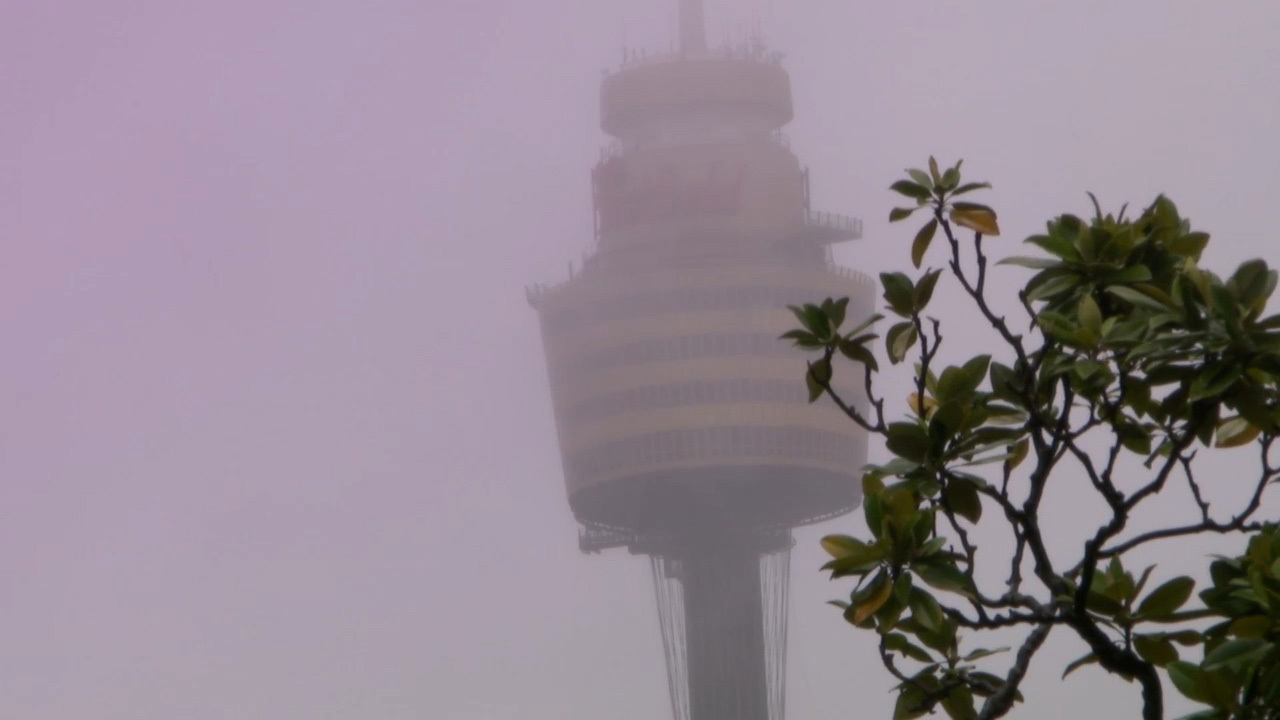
[[1002, 701]]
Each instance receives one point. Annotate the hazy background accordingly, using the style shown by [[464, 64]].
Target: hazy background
[[275, 436]]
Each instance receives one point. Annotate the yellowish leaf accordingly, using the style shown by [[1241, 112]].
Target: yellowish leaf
[[922, 409], [874, 602], [976, 219], [1236, 431], [1017, 453]]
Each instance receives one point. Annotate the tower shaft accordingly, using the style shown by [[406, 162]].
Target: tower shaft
[[724, 633]]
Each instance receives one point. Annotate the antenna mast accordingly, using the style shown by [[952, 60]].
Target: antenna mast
[[693, 33]]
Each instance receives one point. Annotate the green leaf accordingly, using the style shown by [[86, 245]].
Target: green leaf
[[872, 320], [1186, 638], [899, 340], [835, 310], [802, 338], [1136, 298], [1212, 380], [1236, 654], [908, 440], [933, 171], [962, 497], [1167, 598], [1053, 286], [1129, 275], [838, 546], [898, 292], [855, 564], [942, 574], [1155, 649], [994, 683], [897, 214], [924, 290], [926, 611], [1056, 245], [921, 178], [819, 372], [1101, 603], [1184, 674], [813, 319], [1191, 244], [970, 187], [1142, 583], [908, 705], [1250, 626], [922, 240], [1089, 315], [959, 703], [858, 353], [873, 513], [950, 178], [1017, 454], [1031, 262], [900, 643], [1079, 663], [984, 652], [902, 588], [911, 190], [973, 371]]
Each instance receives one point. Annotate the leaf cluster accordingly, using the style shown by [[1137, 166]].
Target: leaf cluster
[[1130, 346]]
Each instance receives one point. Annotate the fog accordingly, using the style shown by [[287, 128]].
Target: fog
[[275, 432]]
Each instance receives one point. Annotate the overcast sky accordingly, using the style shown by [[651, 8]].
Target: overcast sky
[[275, 433]]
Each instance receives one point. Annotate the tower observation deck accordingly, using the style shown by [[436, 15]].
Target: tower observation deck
[[683, 422]]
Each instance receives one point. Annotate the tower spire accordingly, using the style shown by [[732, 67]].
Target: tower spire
[[693, 33]]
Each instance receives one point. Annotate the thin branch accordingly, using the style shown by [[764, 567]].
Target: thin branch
[[977, 290], [1238, 523], [1001, 702]]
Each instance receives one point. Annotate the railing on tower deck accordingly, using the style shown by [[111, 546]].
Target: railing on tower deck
[[861, 279], [752, 50], [832, 221], [536, 291]]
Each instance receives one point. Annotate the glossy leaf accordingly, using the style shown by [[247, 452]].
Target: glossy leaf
[[921, 178], [921, 242], [1155, 649], [1167, 598], [959, 704], [924, 290], [962, 497], [908, 440], [898, 292], [900, 643], [910, 189], [1235, 431], [1079, 663], [898, 341], [876, 599], [978, 218]]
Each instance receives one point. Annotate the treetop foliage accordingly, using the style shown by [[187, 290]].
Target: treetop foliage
[[1132, 362]]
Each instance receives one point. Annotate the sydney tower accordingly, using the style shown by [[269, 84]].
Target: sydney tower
[[684, 428]]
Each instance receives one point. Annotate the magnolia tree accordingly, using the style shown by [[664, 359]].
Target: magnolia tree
[[1120, 361]]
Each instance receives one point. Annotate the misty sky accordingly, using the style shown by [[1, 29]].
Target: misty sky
[[275, 434]]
